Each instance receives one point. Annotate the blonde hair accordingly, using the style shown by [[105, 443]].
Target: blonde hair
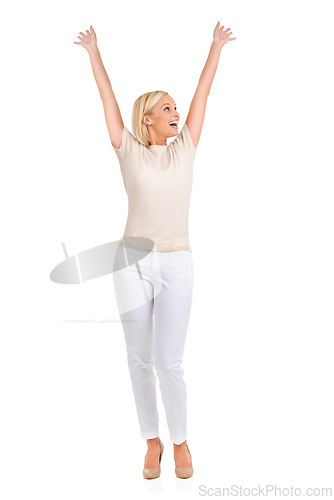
[[143, 106]]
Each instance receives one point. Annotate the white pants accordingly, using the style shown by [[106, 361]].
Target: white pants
[[154, 296]]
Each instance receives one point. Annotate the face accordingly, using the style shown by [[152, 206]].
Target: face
[[158, 122]]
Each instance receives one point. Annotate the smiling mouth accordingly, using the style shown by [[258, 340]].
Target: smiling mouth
[[173, 125]]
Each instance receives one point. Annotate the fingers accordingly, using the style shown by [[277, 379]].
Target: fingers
[[229, 33], [222, 28], [86, 34]]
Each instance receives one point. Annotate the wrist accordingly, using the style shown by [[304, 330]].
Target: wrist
[[92, 49], [217, 44]]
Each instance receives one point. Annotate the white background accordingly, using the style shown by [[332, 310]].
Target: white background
[[259, 354]]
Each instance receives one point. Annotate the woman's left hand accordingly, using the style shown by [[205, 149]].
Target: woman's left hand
[[220, 36]]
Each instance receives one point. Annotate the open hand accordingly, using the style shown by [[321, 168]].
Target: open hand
[[89, 40], [221, 36]]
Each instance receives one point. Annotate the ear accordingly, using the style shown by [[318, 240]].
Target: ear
[[146, 120]]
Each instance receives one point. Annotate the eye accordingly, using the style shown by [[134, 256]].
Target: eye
[[167, 107]]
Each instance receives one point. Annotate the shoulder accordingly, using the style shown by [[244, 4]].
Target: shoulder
[[183, 142], [129, 144]]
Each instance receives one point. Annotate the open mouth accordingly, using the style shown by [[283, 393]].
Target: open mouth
[[173, 124]]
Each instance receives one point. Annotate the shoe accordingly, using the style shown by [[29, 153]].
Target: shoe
[[155, 472], [184, 472]]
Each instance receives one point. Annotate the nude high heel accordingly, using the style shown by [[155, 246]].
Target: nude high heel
[[184, 472], [156, 471]]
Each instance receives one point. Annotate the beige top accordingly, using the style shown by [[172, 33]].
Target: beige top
[[158, 181]]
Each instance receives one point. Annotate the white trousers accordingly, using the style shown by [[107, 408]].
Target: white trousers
[[154, 296]]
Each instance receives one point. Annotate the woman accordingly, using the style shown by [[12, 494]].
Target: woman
[[154, 294]]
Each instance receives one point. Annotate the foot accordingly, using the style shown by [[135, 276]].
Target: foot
[[153, 453], [182, 455]]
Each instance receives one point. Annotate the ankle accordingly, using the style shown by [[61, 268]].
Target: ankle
[[153, 443], [180, 446]]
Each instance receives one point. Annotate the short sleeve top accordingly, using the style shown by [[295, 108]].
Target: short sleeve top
[[158, 182]]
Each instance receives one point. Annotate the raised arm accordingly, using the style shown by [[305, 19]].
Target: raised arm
[[196, 112], [111, 110]]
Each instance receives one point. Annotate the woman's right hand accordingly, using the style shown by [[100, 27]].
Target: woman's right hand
[[87, 41]]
